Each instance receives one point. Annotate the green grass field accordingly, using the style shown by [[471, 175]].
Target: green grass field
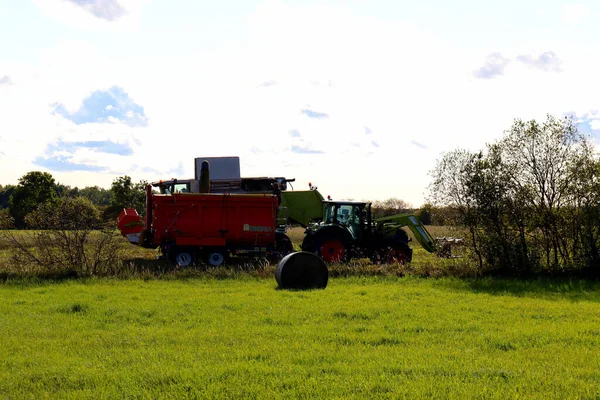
[[242, 338]]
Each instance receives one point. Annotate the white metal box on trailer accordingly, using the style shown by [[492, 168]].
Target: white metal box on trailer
[[222, 169]]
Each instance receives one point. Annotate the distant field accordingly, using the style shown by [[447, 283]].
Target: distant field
[[144, 260], [243, 338]]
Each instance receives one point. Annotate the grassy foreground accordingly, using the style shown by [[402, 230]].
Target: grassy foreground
[[243, 338]]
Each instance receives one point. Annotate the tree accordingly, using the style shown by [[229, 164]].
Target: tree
[[34, 188], [6, 221], [69, 238], [537, 159], [424, 214], [389, 207], [5, 193], [126, 194], [450, 190], [66, 213], [530, 201], [97, 195], [66, 190]]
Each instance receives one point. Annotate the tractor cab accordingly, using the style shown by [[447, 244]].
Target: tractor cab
[[352, 215]]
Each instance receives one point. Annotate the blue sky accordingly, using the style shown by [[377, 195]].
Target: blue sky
[[359, 97]]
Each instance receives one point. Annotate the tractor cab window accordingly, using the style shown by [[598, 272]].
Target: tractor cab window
[[344, 214], [171, 188], [328, 213]]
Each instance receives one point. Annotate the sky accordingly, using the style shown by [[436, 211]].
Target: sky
[[358, 97]]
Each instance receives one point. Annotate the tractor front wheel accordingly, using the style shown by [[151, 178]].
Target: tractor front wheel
[[394, 253], [332, 250]]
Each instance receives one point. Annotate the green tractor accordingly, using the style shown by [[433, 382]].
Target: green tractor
[[348, 230]]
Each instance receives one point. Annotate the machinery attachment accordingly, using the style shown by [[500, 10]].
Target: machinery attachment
[[444, 246]]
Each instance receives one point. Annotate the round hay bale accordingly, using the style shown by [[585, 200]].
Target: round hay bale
[[302, 270]]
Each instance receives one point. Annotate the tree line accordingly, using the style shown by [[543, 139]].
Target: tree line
[[36, 189], [530, 201]]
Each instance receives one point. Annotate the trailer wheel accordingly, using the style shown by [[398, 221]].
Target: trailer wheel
[[184, 258], [215, 257]]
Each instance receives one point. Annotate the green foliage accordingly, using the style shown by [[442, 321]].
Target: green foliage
[[530, 201], [424, 214], [65, 190], [69, 239], [65, 214], [126, 194], [6, 220], [359, 338], [34, 188], [5, 193], [97, 195]]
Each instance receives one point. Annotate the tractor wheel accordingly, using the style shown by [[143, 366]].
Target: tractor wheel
[[216, 257], [332, 250], [331, 246], [395, 253], [184, 257]]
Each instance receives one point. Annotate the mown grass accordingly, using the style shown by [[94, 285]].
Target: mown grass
[[375, 337]]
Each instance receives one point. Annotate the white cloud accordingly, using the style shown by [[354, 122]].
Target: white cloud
[[5, 80]]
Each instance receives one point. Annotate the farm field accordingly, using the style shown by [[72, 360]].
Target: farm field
[[374, 337]]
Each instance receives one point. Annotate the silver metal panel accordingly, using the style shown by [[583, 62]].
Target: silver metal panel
[[222, 169]]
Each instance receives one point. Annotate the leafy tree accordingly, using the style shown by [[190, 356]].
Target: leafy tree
[[6, 221], [69, 238], [66, 190], [126, 194], [5, 193], [34, 188], [530, 201], [97, 195], [390, 207], [65, 213], [450, 191], [424, 214]]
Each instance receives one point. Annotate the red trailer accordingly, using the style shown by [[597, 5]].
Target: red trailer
[[206, 227]]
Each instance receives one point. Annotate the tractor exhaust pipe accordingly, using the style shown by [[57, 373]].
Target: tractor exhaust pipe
[[205, 177]]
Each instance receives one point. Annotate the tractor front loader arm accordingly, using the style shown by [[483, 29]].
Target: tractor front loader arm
[[388, 225]]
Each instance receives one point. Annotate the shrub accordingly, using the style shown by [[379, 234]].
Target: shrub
[[68, 237]]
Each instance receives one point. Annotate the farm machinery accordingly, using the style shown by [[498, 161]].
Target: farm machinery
[[220, 214], [189, 228], [295, 206], [348, 230]]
